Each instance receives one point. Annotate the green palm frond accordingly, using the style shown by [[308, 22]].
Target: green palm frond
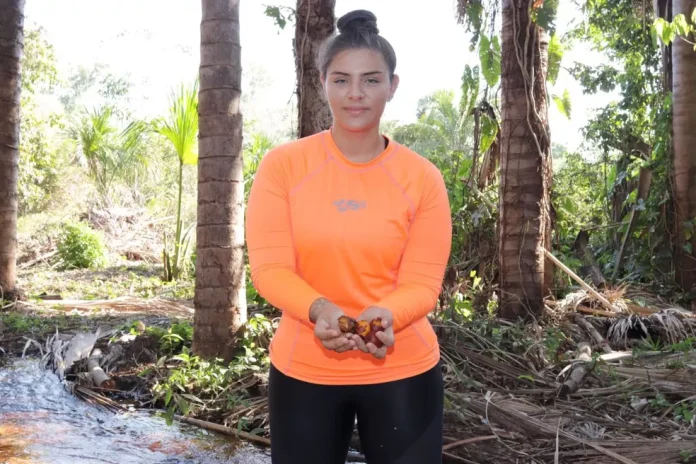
[[181, 125]]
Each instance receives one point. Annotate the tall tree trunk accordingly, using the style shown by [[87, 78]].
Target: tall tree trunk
[[684, 140], [314, 22], [663, 9], [220, 298], [526, 275], [11, 50]]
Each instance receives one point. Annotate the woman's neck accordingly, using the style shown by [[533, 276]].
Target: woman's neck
[[359, 147]]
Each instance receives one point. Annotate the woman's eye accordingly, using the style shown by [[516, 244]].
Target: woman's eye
[[340, 81]]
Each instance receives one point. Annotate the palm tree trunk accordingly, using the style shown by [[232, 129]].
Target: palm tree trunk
[[220, 298], [314, 23], [684, 140], [526, 276], [11, 49]]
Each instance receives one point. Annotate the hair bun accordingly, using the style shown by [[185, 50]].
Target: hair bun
[[358, 20]]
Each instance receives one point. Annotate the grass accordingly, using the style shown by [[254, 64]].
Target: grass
[[135, 280]]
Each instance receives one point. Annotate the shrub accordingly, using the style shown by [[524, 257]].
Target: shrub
[[80, 247]]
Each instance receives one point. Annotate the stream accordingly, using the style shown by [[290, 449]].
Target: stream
[[42, 422]]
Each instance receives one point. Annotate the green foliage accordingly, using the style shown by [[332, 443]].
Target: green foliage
[[175, 338], [41, 164], [666, 32], [195, 383], [82, 83], [281, 15], [181, 129], [38, 62], [544, 14], [443, 131], [490, 55], [255, 147], [472, 14], [181, 125], [556, 50], [108, 153], [80, 246], [470, 89], [578, 196], [563, 103], [23, 323], [627, 134]]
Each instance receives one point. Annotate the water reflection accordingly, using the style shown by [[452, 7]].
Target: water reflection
[[41, 422]]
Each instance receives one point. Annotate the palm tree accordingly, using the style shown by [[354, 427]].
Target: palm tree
[[313, 24], [684, 139], [181, 129], [220, 298], [108, 153], [11, 49], [525, 163]]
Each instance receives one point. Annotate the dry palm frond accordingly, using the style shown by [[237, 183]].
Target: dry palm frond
[[590, 430], [671, 327], [667, 327], [620, 328], [573, 300]]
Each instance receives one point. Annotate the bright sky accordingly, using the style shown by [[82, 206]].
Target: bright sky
[[157, 43]]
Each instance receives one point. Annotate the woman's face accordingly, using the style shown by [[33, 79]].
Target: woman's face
[[357, 88]]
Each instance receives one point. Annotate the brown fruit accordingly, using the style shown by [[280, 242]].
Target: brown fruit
[[346, 324], [362, 328], [372, 338], [376, 324]]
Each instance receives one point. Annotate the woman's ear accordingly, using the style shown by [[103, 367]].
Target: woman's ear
[[394, 86]]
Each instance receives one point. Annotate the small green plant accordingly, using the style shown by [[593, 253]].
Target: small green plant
[[176, 337], [80, 247], [687, 455], [259, 331], [196, 382], [554, 339], [685, 412], [660, 402]]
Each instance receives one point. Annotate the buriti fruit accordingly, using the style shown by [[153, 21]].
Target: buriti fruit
[[366, 330]]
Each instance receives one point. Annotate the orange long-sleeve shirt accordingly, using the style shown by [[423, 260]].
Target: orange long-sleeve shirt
[[358, 234]]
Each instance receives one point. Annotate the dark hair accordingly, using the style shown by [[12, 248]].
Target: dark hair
[[357, 29]]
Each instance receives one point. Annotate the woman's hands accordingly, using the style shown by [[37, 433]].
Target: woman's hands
[[325, 316], [386, 335]]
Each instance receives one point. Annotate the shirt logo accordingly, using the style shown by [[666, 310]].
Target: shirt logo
[[349, 205]]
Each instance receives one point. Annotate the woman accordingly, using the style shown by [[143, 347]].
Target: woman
[[349, 222]]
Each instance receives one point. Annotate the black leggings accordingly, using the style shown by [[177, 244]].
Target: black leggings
[[398, 422]]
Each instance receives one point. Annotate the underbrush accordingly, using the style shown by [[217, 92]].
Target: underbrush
[[126, 279]]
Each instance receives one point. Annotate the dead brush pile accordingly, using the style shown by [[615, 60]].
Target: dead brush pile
[[128, 232], [620, 387]]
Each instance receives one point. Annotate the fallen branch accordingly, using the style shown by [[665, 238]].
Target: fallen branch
[[581, 282], [97, 374], [579, 370], [43, 257], [226, 430], [593, 332]]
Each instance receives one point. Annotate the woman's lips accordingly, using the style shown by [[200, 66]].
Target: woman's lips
[[356, 110]]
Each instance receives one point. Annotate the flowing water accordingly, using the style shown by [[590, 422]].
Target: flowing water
[[42, 422]]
